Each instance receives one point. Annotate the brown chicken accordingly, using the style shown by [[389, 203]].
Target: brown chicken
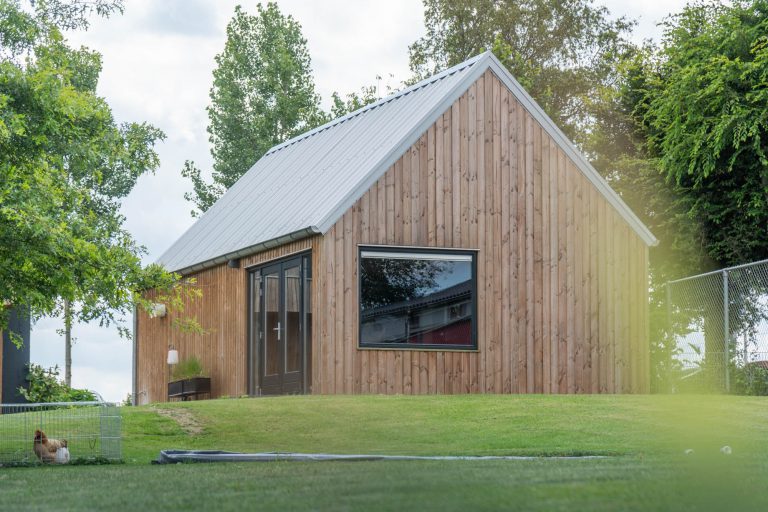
[[47, 449]]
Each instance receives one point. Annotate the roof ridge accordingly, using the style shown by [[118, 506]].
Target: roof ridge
[[378, 103]]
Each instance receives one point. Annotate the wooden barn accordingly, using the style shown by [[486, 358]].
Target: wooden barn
[[446, 239]]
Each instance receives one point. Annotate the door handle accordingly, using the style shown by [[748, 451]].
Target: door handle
[[278, 331]]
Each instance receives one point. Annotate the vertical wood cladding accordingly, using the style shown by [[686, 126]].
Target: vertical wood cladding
[[562, 279], [222, 311]]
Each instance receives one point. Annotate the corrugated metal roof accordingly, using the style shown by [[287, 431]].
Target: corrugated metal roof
[[304, 185]]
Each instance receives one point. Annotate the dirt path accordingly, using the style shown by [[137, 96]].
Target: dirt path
[[185, 419]]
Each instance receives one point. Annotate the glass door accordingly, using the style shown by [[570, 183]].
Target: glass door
[[279, 335], [273, 326], [291, 349]]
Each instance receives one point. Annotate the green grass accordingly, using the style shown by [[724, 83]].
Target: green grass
[[456, 425], [644, 436]]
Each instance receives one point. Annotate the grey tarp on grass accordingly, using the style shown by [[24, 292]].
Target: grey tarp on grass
[[178, 456]]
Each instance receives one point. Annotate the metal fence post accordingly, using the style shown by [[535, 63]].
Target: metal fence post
[[727, 332]]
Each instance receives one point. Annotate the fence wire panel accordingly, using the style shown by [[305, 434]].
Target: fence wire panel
[[720, 324], [91, 430]]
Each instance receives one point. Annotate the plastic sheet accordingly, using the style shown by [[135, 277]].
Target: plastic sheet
[[179, 456]]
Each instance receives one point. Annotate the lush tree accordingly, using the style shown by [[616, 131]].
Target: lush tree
[[64, 165], [618, 145], [263, 93], [682, 138], [704, 112], [561, 51], [356, 100], [353, 101]]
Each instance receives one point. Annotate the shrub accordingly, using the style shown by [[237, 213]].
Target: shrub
[[189, 368], [751, 379], [45, 387]]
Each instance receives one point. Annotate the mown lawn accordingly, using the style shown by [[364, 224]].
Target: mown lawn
[[644, 438]]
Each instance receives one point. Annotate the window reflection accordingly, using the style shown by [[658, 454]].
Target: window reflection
[[416, 298], [292, 319]]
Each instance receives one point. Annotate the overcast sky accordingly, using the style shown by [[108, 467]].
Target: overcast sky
[[158, 58]]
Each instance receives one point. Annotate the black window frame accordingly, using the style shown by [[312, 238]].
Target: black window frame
[[447, 251]]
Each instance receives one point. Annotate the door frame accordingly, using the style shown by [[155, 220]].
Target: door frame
[[254, 347]]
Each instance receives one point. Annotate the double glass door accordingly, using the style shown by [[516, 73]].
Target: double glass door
[[280, 327]]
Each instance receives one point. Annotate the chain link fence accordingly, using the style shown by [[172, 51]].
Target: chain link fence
[[719, 321]]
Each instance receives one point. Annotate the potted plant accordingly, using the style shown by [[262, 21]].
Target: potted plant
[[188, 378]]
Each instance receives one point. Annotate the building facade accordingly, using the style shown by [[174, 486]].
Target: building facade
[[447, 239]]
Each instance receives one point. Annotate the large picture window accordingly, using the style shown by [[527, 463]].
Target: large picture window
[[417, 298]]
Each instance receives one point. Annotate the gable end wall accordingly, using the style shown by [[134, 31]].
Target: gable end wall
[[562, 278]]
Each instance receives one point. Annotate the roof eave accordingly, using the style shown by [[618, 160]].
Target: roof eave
[[249, 251]]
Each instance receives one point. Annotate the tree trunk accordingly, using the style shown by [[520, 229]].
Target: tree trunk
[[67, 344]]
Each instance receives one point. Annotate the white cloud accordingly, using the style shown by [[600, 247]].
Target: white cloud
[[190, 17], [647, 14], [158, 60]]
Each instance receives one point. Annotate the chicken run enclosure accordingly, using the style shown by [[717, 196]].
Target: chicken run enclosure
[[91, 431]]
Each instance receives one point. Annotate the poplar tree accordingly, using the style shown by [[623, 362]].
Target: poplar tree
[[263, 93]]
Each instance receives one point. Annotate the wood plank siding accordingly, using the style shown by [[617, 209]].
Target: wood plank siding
[[222, 311], [562, 278]]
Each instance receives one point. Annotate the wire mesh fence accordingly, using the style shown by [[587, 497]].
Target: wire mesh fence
[[719, 321], [90, 431]]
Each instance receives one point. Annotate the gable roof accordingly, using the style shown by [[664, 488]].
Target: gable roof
[[304, 185]]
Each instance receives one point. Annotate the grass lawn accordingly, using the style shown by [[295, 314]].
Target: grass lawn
[[643, 436]]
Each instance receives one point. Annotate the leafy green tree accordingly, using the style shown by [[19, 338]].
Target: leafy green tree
[[64, 165], [352, 101], [263, 94], [682, 138], [618, 146], [619, 149], [684, 143], [561, 51], [704, 114], [356, 100]]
